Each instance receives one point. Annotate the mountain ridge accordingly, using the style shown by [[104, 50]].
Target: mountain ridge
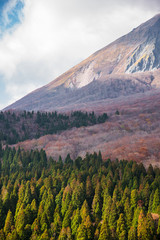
[[127, 66]]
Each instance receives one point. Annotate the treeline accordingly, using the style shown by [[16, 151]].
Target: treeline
[[81, 199], [20, 126]]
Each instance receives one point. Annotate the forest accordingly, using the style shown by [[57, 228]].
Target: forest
[[23, 125], [84, 199]]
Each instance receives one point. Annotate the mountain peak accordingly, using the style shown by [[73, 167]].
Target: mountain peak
[[148, 29], [108, 73], [146, 38], [150, 23], [151, 26]]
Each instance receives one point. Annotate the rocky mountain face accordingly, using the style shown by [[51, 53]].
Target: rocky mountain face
[[130, 65]]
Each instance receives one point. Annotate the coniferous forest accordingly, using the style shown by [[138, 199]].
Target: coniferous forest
[[82, 199], [23, 125]]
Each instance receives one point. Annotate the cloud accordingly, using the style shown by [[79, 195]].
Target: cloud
[[55, 35]]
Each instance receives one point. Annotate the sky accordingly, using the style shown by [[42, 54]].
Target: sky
[[41, 39]]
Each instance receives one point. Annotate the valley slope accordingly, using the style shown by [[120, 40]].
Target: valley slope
[[134, 134]]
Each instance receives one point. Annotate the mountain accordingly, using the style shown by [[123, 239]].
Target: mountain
[[127, 66]]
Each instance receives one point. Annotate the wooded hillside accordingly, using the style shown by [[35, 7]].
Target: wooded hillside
[[81, 199]]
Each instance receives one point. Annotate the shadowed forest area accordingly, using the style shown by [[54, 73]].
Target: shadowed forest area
[[20, 126]]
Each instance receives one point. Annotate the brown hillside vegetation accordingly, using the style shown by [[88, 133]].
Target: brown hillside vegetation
[[134, 134]]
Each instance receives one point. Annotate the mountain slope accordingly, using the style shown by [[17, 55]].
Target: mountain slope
[[132, 135], [127, 66]]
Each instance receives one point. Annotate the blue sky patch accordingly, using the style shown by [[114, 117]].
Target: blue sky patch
[[9, 16], [3, 2]]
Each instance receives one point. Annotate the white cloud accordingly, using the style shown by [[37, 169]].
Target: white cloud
[[55, 35]]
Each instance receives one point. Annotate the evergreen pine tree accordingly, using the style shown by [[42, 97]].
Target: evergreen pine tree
[[156, 200], [85, 211], [146, 194], [128, 213], [89, 190], [150, 226], [75, 222], [132, 234], [57, 223], [78, 196], [67, 217], [81, 232], [89, 227], [8, 223], [96, 204], [45, 235], [121, 228], [66, 199], [135, 217], [34, 208], [107, 208], [2, 235], [113, 217], [36, 227], [158, 229], [141, 229], [104, 231], [134, 197]]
